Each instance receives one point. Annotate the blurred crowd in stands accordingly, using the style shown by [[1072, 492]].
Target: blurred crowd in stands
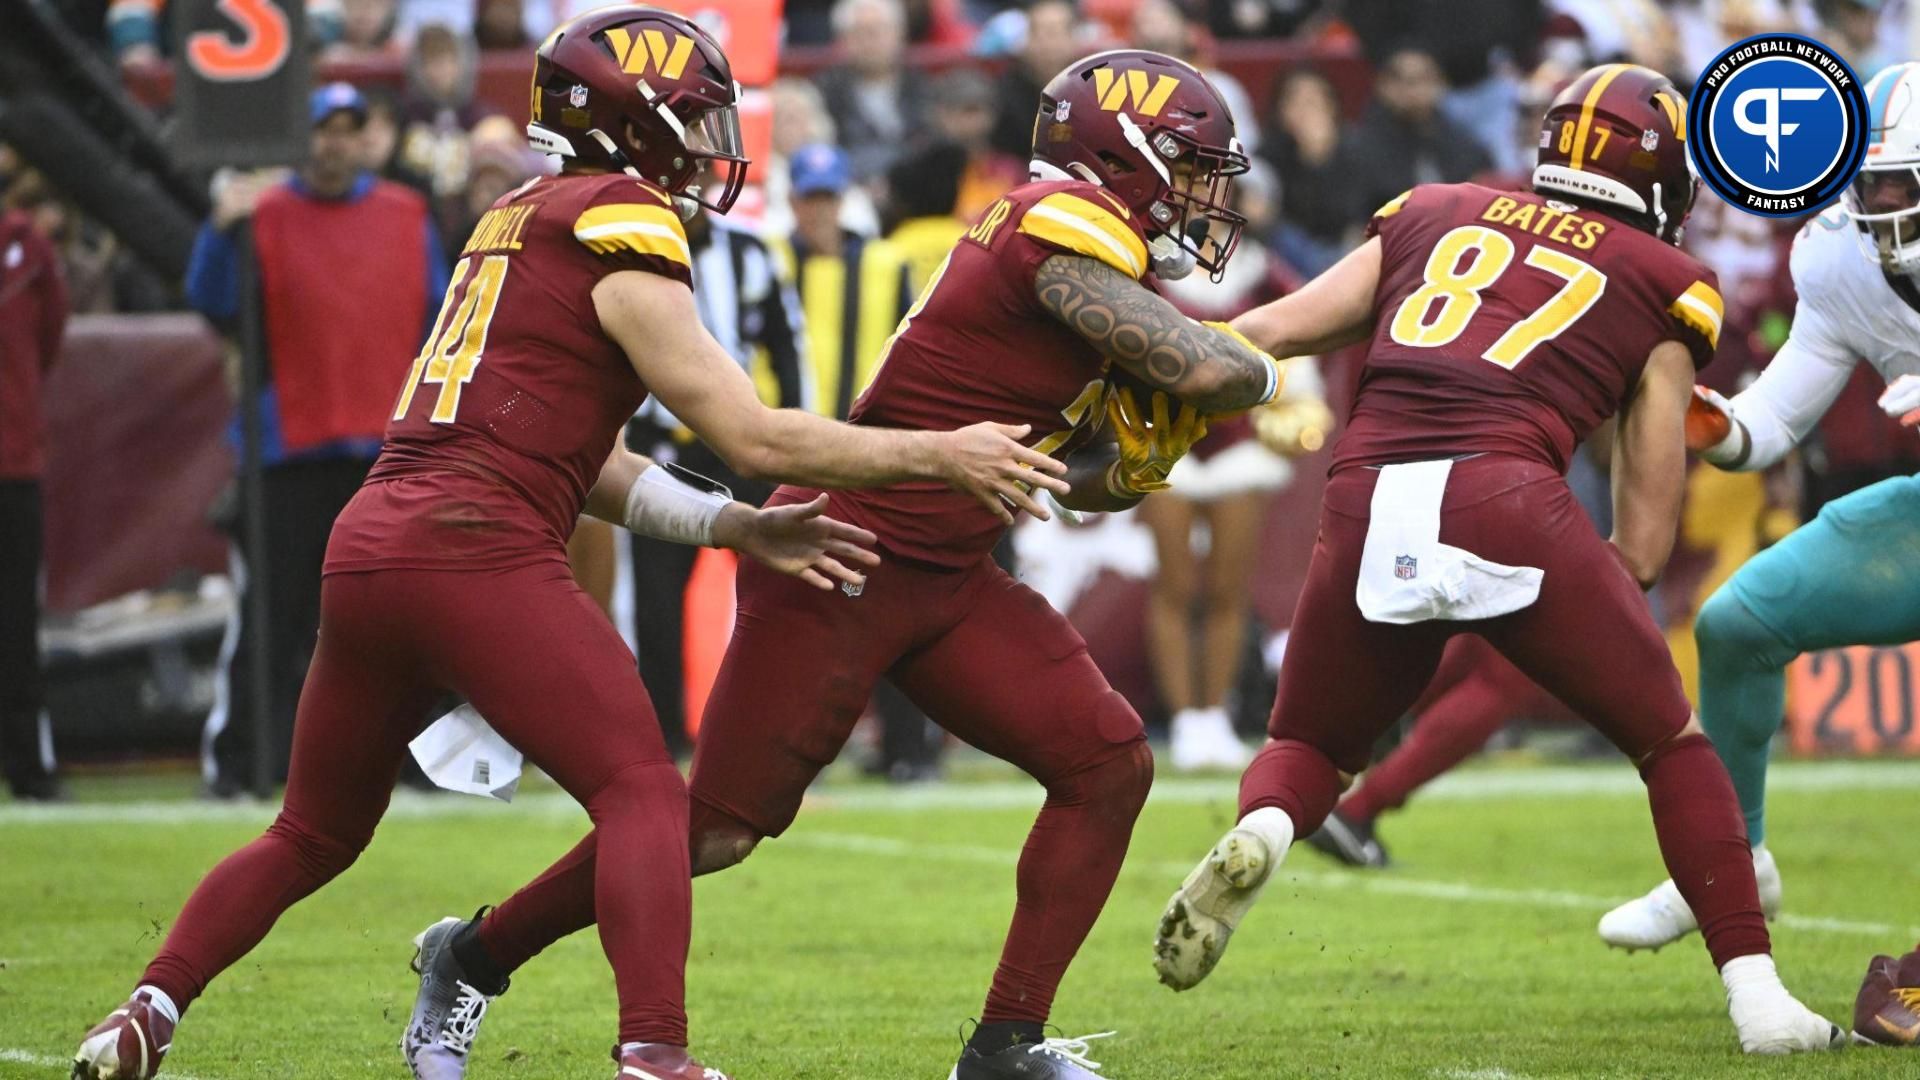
[[912, 117]]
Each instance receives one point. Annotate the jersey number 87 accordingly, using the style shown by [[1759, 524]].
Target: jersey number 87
[[1458, 292]]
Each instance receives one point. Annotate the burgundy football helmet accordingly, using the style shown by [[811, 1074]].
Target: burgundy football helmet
[[1153, 131], [644, 91], [1618, 135]]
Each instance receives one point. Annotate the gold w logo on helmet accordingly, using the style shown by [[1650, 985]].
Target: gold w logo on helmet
[[667, 52], [1675, 109], [1148, 94]]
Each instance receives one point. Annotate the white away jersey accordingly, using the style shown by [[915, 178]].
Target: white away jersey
[[1847, 312]]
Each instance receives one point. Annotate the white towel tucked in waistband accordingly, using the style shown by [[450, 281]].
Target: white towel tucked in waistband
[[1408, 576], [461, 752]]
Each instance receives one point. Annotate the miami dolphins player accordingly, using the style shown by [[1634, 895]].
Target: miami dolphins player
[[1852, 575]]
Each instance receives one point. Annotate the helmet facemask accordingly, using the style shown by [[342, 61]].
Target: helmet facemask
[[1193, 218], [716, 166], [1884, 202]]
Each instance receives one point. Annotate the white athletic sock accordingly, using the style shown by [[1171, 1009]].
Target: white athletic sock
[[1754, 972], [160, 1001], [1272, 825]]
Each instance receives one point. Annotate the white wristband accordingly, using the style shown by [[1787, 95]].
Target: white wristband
[[665, 507]]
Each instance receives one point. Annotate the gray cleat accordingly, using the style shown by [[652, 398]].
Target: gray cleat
[[449, 1008]]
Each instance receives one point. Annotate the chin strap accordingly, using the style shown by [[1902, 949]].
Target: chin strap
[[1171, 259]]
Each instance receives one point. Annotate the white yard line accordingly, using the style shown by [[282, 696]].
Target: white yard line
[[1385, 884], [28, 1057], [1472, 785], [1477, 1074]]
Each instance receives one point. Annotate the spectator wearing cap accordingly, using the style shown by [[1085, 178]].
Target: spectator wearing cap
[[33, 316], [350, 274], [853, 290]]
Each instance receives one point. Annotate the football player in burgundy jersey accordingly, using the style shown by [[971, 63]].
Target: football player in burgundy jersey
[[1502, 327], [1043, 302], [448, 571]]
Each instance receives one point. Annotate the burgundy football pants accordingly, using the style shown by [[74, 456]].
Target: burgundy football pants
[[985, 657], [542, 664], [1589, 640], [1473, 695]]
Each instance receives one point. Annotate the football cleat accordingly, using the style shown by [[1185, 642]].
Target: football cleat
[[1201, 917], [1350, 840], [658, 1061], [1204, 739], [448, 1008], [1662, 917], [1049, 1059], [1887, 1011], [1768, 1019], [128, 1045]]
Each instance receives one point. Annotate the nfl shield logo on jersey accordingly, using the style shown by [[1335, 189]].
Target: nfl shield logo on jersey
[[1406, 567], [1649, 140], [577, 97], [852, 588]]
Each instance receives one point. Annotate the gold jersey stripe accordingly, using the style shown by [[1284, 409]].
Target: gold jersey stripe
[[1086, 228], [1609, 73], [1701, 308], [1393, 205], [636, 227]]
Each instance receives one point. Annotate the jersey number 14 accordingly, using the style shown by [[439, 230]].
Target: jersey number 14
[[1420, 324], [452, 352]]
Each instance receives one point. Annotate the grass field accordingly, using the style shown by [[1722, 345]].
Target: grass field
[[857, 945]]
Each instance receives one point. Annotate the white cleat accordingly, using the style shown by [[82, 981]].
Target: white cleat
[[1204, 739], [1662, 917], [1219, 892], [1770, 1020]]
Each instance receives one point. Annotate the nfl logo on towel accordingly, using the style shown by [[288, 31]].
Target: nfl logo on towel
[[1406, 567]]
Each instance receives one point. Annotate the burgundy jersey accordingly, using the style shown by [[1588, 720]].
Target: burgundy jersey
[[977, 345], [511, 408], [1506, 322]]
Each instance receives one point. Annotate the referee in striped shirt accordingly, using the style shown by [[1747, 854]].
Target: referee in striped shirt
[[747, 303]]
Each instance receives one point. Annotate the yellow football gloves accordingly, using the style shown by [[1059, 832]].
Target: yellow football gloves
[[1149, 444]]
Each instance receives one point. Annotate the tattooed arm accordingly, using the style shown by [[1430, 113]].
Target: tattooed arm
[[1332, 310], [1142, 332]]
